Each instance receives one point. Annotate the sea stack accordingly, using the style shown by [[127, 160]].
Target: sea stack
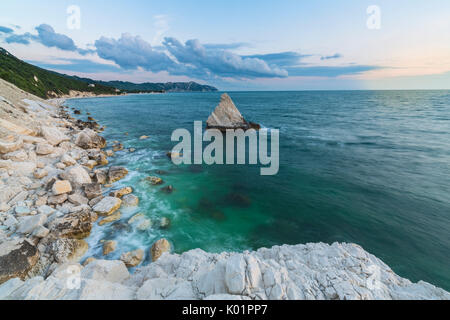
[[227, 116]]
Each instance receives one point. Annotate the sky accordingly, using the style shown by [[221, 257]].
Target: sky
[[237, 45]]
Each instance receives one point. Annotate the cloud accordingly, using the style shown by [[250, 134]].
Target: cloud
[[281, 59], [77, 65], [226, 46], [131, 52], [49, 38], [334, 56], [20, 38], [220, 63], [213, 61], [161, 25], [6, 30], [329, 71]]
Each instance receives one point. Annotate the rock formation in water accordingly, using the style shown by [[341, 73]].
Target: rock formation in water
[[227, 116]]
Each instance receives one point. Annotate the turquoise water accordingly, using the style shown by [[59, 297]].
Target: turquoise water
[[364, 167]]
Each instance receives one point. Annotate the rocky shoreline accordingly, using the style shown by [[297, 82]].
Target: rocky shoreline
[[54, 178]]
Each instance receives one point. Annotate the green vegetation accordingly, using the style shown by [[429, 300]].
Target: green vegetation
[[153, 87], [40, 82], [49, 84]]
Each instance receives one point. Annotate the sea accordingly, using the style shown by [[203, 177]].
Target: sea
[[366, 167]]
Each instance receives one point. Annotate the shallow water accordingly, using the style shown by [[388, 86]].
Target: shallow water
[[364, 167]]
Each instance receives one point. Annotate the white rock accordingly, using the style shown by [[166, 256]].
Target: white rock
[[312, 271], [28, 224], [61, 187], [107, 206], [105, 270], [43, 149], [53, 135], [76, 175], [166, 289], [68, 160], [235, 274], [19, 155]]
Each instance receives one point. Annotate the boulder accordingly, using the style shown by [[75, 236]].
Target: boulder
[[68, 250], [154, 180], [89, 139], [90, 164], [93, 190], [164, 223], [107, 206], [98, 156], [121, 192], [158, 248], [25, 168], [105, 270], [10, 146], [40, 232], [18, 156], [144, 225], [40, 173], [43, 149], [116, 174], [29, 223], [100, 176], [17, 258], [74, 225], [59, 199], [68, 160], [77, 199], [114, 217], [130, 200], [133, 258], [53, 135], [168, 189], [22, 211], [76, 175], [109, 246], [227, 116], [61, 187]]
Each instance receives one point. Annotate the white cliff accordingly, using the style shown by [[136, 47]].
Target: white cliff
[[312, 271]]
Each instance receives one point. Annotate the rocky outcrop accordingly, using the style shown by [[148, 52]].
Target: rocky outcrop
[[89, 139], [10, 145], [53, 135], [302, 272], [159, 247], [73, 226], [227, 116], [116, 174], [68, 250], [107, 206], [133, 258], [17, 258], [76, 175]]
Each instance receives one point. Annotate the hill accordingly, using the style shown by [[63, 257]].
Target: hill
[[40, 82], [49, 84], [153, 87]]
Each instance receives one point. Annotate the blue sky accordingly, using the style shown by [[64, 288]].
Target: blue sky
[[238, 45]]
